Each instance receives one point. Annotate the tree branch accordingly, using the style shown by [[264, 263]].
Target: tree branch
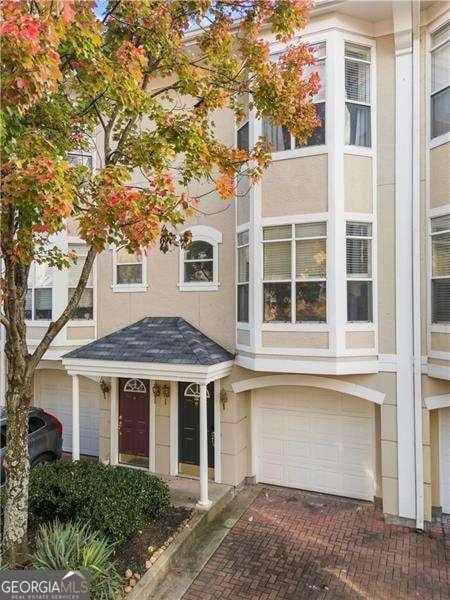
[[56, 326], [4, 321]]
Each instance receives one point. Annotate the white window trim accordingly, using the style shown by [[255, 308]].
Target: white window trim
[[128, 287], [444, 138], [202, 233], [242, 324], [41, 322]]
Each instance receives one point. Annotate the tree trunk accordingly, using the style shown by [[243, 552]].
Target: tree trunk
[[17, 465]]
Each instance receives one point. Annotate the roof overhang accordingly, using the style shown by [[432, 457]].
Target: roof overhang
[[161, 371]]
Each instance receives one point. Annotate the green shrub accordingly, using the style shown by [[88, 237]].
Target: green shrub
[[115, 500], [75, 547]]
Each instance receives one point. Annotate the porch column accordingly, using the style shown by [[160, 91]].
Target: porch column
[[114, 422], [204, 502], [75, 417]]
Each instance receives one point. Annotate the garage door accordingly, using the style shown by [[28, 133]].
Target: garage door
[[444, 435], [315, 440], [54, 394]]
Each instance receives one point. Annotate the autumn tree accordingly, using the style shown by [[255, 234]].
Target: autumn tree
[[144, 81]]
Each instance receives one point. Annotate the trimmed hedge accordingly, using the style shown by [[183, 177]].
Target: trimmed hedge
[[114, 500]]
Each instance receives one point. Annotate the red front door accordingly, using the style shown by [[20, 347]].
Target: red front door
[[133, 416]]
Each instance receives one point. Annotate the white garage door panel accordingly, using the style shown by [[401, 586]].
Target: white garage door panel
[[324, 445], [444, 436], [55, 396]]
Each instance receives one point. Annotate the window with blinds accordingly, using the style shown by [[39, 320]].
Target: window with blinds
[[359, 272], [357, 95], [128, 268], [243, 276], [294, 273], [39, 297], [85, 308], [440, 269], [279, 137], [440, 81]]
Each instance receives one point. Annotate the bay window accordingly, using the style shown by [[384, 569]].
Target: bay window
[[357, 95], [294, 273], [39, 298], [359, 272], [243, 276], [440, 269], [242, 141], [279, 136], [85, 308], [440, 82]]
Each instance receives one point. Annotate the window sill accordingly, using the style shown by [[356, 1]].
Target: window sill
[[298, 152], [139, 287], [360, 326], [198, 287], [81, 323], [439, 328], [37, 323], [313, 326], [358, 150], [439, 140], [243, 325]]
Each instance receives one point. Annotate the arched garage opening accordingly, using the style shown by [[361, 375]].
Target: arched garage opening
[[314, 433]]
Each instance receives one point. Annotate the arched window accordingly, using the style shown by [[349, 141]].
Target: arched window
[[135, 385], [193, 391], [199, 262]]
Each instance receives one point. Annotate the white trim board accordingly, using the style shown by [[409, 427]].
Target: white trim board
[[441, 401]]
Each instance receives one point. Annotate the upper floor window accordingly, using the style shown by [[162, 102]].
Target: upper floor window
[[39, 298], [199, 262], [440, 270], [129, 270], [243, 141], [359, 272], [294, 273], [85, 308], [80, 158], [279, 136], [357, 95], [243, 276], [440, 81]]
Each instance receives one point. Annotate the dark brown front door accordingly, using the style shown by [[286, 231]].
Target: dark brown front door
[[134, 415], [189, 430]]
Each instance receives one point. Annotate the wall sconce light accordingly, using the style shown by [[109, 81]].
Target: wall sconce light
[[105, 387], [223, 398], [161, 390]]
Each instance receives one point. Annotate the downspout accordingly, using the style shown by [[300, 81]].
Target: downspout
[[416, 266]]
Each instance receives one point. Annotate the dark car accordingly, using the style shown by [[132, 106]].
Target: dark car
[[44, 437]]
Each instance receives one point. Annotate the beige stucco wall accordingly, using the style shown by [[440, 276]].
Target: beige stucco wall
[[80, 333], [295, 186], [360, 339], [440, 175], [358, 183], [440, 342], [295, 339]]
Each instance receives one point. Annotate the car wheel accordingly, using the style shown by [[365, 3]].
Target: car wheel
[[42, 459]]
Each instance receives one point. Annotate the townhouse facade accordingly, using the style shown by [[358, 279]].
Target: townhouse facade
[[303, 339]]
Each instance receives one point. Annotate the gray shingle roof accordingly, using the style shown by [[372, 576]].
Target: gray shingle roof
[[156, 340]]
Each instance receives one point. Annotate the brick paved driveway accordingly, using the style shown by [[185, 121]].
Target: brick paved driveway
[[294, 544]]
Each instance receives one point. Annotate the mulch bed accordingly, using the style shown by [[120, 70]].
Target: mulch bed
[[134, 553]]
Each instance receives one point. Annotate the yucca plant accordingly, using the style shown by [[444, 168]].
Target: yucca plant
[[75, 546]]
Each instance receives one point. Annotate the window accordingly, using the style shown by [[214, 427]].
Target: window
[[279, 136], [76, 159], [135, 385], [294, 273], [243, 272], [359, 272], [35, 423], [129, 270], [85, 308], [243, 137], [199, 262], [440, 81], [357, 95], [440, 269], [39, 298]]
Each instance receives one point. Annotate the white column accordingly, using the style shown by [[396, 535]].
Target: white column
[[75, 417], [114, 422], [204, 502], [217, 434], [174, 428], [152, 430]]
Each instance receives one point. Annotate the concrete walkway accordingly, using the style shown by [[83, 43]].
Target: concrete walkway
[[185, 491]]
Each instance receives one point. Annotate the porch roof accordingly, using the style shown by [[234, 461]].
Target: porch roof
[[167, 347]]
